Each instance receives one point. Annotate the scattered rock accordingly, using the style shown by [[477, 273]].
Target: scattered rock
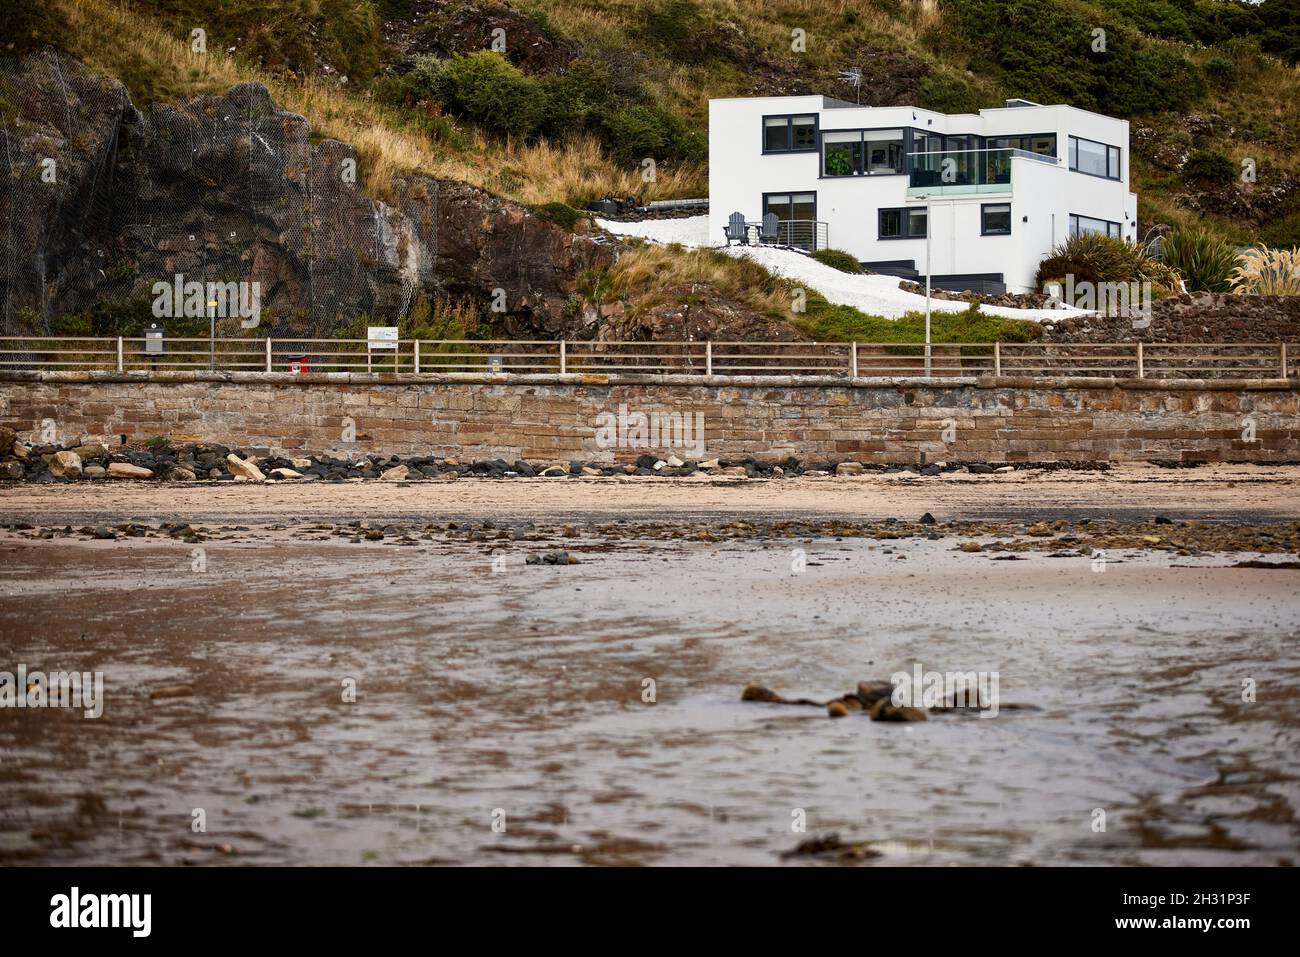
[[551, 558], [244, 468], [971, 547], [928, 519], [849, 468], [7, 439], [65, 464], [831, 846], [837, 709], [759, 693], [397, 473], [283, 473], [885, 710], [127, 470]]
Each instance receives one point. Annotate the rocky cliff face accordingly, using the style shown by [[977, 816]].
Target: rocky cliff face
[[103, 200]]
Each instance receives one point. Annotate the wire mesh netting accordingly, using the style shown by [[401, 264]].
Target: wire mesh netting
[[103, 205]]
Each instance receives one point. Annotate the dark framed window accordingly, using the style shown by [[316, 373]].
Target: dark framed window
[[790, 207], [1093, 158], [1079, 225], [902, 222], [790, 134], [863, 152], [995, 219]]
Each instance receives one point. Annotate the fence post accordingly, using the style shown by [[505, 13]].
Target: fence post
[[564, 364], [417, 355], [1141, 369], [997, 359], [854, 367], [268, 353], [119, 354], [1284, 360], [708, 357]]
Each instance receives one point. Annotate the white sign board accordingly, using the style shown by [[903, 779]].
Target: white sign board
[[381, 337]]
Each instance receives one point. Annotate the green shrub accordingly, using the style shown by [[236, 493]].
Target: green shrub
[[1223, 71], [838, 259], [636, 132], [1207, 166], [1205, 260], [1095, 258], [947, 94], [575, 99], [490, 91], [561, 214]]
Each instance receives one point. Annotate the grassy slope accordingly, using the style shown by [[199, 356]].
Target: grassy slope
[[144, 44]]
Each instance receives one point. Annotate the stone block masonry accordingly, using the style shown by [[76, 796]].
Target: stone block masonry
[[556, 418]]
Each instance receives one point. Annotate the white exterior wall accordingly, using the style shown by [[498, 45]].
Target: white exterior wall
[[740, 173]]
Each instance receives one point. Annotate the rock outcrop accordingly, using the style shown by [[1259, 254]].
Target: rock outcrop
[[106, 199]]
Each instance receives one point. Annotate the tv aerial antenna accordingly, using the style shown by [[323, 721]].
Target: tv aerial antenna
[[853, 75]]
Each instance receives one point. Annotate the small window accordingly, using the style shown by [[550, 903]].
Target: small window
[[776, 134], [902, 223], [995, 219], [789, 134], [1081, 225]]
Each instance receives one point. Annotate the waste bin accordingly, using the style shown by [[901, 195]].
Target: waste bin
[[299, 364]]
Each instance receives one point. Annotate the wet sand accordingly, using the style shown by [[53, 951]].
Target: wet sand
[[1245, 492], [517, 690]]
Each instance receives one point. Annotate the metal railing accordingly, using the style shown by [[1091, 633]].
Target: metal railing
[[967, 171], [1182, 360]]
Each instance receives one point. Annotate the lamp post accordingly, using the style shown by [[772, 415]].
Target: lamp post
[[212, 324], [928, 224]]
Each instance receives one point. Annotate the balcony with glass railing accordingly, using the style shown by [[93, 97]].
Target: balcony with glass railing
[[965, 171]]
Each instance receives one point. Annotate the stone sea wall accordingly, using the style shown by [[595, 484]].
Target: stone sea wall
[[557, 419]]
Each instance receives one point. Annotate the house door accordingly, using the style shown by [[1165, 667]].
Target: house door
[[796, 214]]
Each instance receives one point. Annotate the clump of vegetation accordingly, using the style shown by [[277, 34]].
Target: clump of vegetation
[[32, 25], [1207, 166], [1204, 260], [436, 320], [1098, 258], [838, 259], [561, 214], [1263, 271], [844, 324]]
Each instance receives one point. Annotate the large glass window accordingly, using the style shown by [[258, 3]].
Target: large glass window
[[1097, 159], [789, 134], [862, 152], [842, 153], [1080, 225], [884, 151], [995, 219], [902, 223]]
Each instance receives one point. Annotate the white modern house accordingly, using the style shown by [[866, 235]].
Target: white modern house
[[996, 191]]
